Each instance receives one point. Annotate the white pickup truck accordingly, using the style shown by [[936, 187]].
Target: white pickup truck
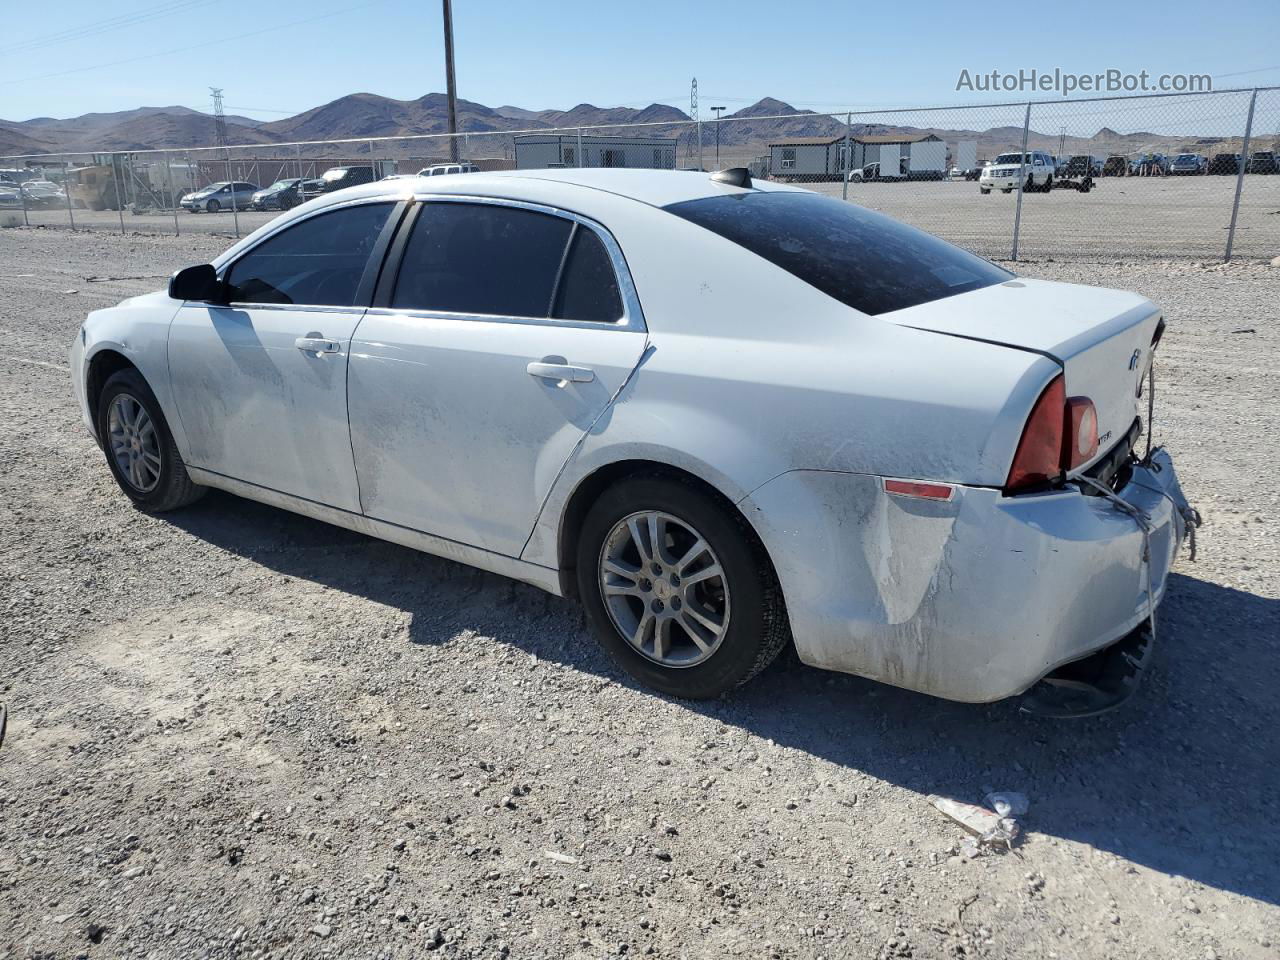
[[1003, 172]]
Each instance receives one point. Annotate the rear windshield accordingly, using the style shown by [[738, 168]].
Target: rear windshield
[[863, 259]]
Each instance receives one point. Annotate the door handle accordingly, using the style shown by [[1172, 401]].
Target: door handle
[[560, 372], [317, 345]]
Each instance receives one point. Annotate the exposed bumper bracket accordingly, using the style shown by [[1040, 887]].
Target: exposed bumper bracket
[[1096, 684]]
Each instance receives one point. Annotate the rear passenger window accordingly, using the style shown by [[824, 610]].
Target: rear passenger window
[[481, 259], [319, 261], [588, 286]]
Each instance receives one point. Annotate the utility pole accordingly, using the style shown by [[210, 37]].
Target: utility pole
[[450, 85], [718, 111]]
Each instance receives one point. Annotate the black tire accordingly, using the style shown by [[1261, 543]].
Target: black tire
[[213, 206], [1048, 184], [173, 487], [757, 621]]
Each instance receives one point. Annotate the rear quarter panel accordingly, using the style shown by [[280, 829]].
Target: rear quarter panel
[[753, 373]]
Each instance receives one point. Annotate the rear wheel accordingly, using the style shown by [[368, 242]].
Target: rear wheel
[[677, 589], [139, 447]]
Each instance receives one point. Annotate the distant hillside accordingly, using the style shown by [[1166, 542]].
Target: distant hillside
[[360, 115]]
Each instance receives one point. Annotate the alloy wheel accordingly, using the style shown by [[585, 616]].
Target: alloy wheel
[[135, 444], [664, 588]]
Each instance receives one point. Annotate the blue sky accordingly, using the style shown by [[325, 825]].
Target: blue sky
[[64, 60]]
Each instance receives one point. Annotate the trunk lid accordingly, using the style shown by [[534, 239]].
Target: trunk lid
[[1102, 338]]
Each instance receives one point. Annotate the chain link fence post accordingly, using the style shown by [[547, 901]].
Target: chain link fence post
[[1022, 179], [171, 192], [66, 188], [235, 212], [1244, 165], [847, 165], [581, 159], [115, 188]]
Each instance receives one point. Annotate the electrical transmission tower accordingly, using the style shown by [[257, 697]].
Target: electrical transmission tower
[[693, 115], [219, 118]]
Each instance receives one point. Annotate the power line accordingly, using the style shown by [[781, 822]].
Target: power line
[[103, 26], [197, 46]]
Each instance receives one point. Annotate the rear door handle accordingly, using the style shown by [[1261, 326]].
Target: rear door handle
[[317, 345], [560, 372]]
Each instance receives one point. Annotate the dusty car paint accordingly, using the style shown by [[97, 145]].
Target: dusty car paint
[[790, 404]]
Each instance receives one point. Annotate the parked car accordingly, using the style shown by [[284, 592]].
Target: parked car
[[974, 173], [870, 171], [1002, 174], [1188, 163], [1116, 166], [42, 194], [284, 194], [907, 480], [1225, 163], [1080, 165], [224, 195], [1263, 161], [440, 169], [339, 178], [10, 199], [1151, 164]]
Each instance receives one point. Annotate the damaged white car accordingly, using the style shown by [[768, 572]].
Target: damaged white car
[[727, 415]]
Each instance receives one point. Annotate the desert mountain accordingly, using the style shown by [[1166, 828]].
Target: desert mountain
[[360, 115]]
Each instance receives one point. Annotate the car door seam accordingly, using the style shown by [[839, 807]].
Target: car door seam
[[645, 353]]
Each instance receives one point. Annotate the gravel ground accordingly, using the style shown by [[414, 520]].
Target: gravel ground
[[235, 732]]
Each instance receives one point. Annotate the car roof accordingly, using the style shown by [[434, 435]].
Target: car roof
[[657, 188]]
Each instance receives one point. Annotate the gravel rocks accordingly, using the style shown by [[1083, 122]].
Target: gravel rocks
[[326, 745]]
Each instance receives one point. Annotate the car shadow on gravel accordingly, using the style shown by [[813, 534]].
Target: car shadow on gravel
[[1179, 780]]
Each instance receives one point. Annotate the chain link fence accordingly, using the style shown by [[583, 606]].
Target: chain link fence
[[1164, 177]]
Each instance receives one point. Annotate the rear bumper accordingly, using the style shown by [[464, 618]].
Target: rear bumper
[[974, 599]]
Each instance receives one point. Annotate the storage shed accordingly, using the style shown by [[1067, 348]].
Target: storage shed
[[538, 151]]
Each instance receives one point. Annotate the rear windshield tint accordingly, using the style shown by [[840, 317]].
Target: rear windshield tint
[[863, 259]]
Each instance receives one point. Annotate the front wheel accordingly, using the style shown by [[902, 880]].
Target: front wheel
[[139, 447], [1048, 184], [677, 589], [213, 206], [984, 190]]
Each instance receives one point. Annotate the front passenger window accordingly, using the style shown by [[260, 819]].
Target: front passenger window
[[317, 262]]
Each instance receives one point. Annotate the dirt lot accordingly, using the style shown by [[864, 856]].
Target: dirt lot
[[235, 732], [1128, 218]]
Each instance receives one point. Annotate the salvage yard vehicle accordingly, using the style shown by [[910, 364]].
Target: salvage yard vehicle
[[1225, 163], [1003, 173], [339, 178], [284, 194], [224, 195], [440, 169], [727, 414], [1185, 164], [1116, 166], [1263, 161]]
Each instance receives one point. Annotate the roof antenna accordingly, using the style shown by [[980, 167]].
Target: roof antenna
[[734, 176]]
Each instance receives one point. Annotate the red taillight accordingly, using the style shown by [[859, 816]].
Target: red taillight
[[1082, 431], [1060, 435], [1039, 456]]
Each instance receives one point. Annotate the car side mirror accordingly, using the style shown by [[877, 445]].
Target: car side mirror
[[197, 283]]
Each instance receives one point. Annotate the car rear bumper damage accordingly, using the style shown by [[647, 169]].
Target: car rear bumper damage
[[977, 598]]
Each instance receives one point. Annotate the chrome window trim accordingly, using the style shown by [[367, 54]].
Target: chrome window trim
[[223, 269], [632, 318]]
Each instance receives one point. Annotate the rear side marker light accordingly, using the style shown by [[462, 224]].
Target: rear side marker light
[[919, 489]]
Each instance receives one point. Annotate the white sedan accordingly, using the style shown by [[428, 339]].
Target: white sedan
[[728, 415]]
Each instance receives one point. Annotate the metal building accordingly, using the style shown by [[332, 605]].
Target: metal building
[[918, 156], [537, 151]]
